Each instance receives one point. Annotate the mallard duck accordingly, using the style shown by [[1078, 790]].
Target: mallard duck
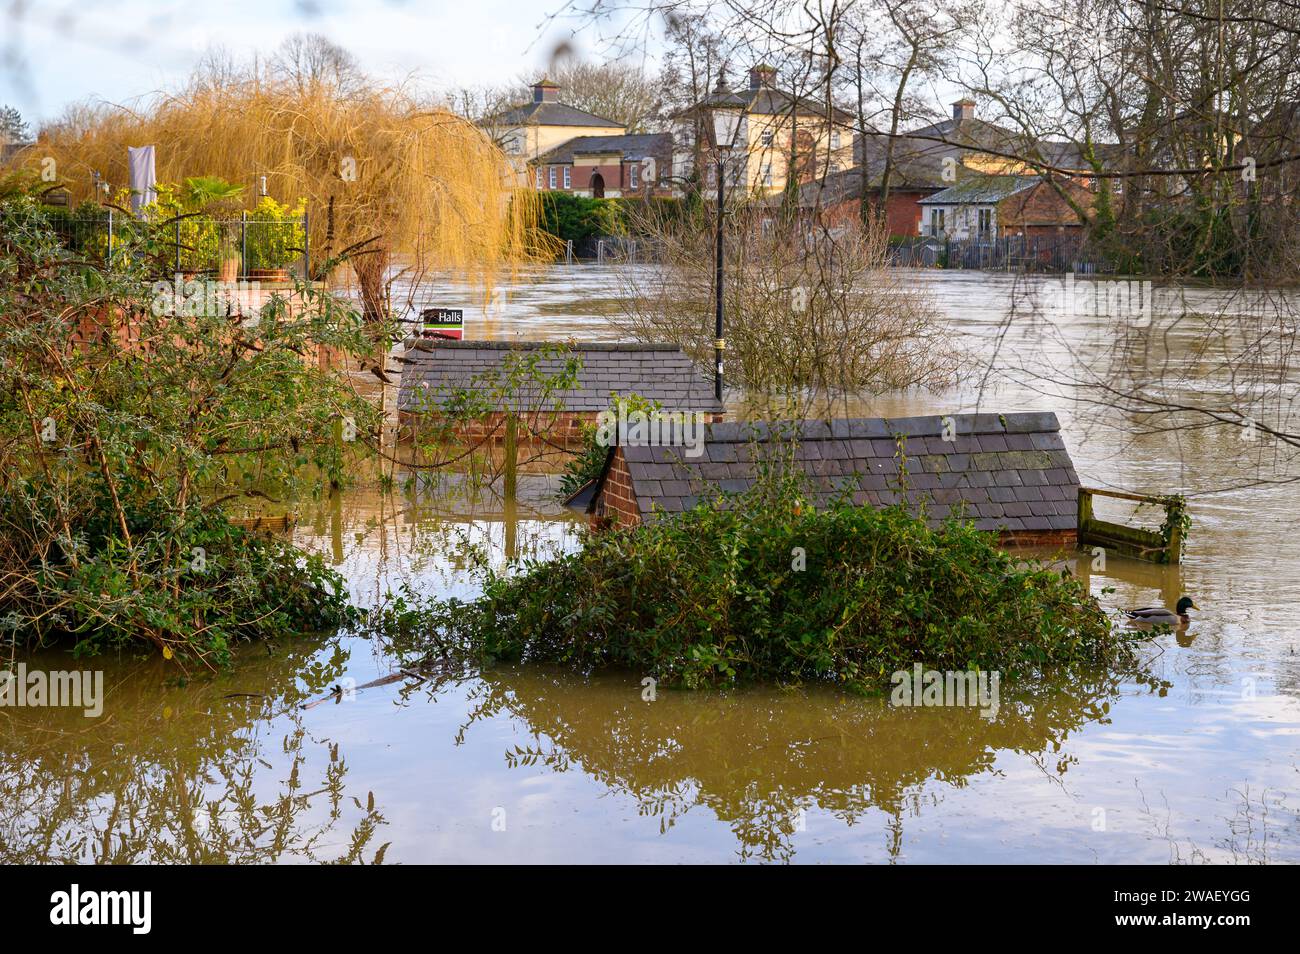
[[1158, 614]]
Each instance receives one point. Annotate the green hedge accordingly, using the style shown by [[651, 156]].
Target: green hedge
[[577, 218], [772, 589]]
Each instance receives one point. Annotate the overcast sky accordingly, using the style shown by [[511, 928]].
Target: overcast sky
[[58, 51]]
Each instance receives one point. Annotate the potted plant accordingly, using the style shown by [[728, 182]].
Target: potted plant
[[209, 194], [186, 213], [275, 238]]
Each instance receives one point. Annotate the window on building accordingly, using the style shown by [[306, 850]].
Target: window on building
[[985, 221], [936, 221], [568, 177], [767, 174], [835, 139], [633, 176], [550, 177], [766, 137], [539, 178]]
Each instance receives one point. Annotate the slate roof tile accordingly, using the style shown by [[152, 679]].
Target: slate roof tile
[[434, 370]]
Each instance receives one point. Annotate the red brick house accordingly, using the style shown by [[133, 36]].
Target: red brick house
[[607, 166], [995, 207], [940, 156]]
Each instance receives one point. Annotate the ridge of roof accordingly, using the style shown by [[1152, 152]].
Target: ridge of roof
[[836, 429]]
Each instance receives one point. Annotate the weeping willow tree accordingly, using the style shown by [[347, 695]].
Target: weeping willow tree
[[386, 177]]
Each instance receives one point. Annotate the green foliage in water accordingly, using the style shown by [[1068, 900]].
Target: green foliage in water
[[769, 588], [575, 218], [130, 417]]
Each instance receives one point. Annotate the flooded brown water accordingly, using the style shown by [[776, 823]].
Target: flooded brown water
[[529, 764]]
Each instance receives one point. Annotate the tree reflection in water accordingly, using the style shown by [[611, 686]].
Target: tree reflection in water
[[759, 759], [182, 774]]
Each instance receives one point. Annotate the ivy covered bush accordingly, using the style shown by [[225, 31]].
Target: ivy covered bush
[[125, 430]]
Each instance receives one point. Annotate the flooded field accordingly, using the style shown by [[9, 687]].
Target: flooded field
[[529, 764]]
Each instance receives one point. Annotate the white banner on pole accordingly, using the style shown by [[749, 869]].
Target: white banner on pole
[[140, 161]]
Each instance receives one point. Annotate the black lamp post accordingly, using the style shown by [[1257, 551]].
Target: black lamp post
[[725, 112]]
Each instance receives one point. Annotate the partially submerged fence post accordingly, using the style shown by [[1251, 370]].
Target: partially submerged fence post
[[1132, 541], [511, 451]]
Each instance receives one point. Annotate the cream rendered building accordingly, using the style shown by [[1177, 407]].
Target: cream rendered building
[[781, 135], [540, 126]]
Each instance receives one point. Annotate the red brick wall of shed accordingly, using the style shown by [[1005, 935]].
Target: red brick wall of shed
[[902, 213], [616, 506], [564, 429], [1014, 540]]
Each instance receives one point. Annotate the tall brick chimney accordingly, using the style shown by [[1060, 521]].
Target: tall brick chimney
[[964, 108]]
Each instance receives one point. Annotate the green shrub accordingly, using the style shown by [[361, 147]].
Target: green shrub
[[116, 457], [275, 234], [715, 596], [576, 218]]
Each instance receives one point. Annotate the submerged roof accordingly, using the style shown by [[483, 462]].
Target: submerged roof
[[1004, 471], [659, 372]]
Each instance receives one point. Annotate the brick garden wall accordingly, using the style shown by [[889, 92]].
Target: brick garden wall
[[1017, 539], [564, 429]]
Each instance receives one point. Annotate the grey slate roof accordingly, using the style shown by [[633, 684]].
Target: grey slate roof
[[632, 147], [551, 113], [768, 101], [982, 190], [660, 372], [1011, 472]]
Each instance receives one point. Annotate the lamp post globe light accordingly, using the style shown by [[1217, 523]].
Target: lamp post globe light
[[725, 112]]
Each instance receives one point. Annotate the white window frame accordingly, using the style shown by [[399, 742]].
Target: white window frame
[[835, 140], [568, 177], [539, 177], [633, 173], [769, 176], [550, 177]]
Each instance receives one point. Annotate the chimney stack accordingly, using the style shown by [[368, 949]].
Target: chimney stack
[[964, 108], [762, 76], [544, 91]]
